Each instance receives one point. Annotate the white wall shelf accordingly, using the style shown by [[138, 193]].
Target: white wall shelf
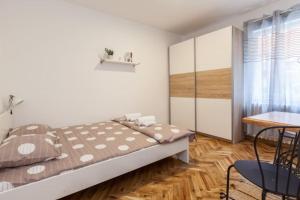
[[119, 62]]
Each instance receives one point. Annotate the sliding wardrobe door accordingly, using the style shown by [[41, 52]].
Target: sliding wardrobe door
[[214, 83], [182, 84]]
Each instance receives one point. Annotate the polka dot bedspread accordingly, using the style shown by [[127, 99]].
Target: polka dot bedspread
[[84, 145]]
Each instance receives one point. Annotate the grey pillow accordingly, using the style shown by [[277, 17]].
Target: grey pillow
[[27, 149]]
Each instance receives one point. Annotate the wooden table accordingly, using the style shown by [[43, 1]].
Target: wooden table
[[274, 119]]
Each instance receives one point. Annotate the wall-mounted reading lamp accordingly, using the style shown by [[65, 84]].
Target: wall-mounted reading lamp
[[13, 102]]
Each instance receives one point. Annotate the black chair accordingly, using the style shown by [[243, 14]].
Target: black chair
[[279, 176]]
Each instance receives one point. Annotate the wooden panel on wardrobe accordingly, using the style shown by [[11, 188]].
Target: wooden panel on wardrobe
[[214, 84], [182, 84]]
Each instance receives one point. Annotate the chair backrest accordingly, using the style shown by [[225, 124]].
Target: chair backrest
[[286, 155]]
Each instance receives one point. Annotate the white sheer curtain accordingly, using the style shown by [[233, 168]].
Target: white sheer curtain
[[272, 64]]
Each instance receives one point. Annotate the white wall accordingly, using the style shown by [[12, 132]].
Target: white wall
[[49, 57], [238, 20]]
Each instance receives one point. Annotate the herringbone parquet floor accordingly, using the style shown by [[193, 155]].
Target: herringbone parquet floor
[[170, 179]]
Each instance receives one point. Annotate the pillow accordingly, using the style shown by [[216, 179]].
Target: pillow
[[123, 121], [27, 149], [30, 129]]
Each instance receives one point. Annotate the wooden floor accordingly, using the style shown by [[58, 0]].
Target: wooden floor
[[204, 178]]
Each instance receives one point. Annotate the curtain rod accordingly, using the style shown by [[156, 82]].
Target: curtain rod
[[294, 8]]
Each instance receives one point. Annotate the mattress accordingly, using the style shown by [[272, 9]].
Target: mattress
[[81, 145]]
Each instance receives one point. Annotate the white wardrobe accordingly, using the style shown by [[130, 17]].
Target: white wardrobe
[[214, 84]]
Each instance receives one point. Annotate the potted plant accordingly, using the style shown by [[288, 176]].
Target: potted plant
[[109, 53]]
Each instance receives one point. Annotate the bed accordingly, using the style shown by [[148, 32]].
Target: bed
[[136, 150]]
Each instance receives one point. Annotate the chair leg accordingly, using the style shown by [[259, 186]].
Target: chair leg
[[228, 179], [263, 195]]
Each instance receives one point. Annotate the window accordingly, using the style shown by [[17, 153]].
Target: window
[[272, 64]]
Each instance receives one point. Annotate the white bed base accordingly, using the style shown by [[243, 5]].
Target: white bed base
[[59, 186]]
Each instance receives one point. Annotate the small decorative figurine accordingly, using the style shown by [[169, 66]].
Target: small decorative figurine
[[108, 53], [128, 57]]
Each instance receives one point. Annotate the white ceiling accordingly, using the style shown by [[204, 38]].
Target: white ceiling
[[178, 16]]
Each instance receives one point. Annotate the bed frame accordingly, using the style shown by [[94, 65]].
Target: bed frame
[[59, 186]]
